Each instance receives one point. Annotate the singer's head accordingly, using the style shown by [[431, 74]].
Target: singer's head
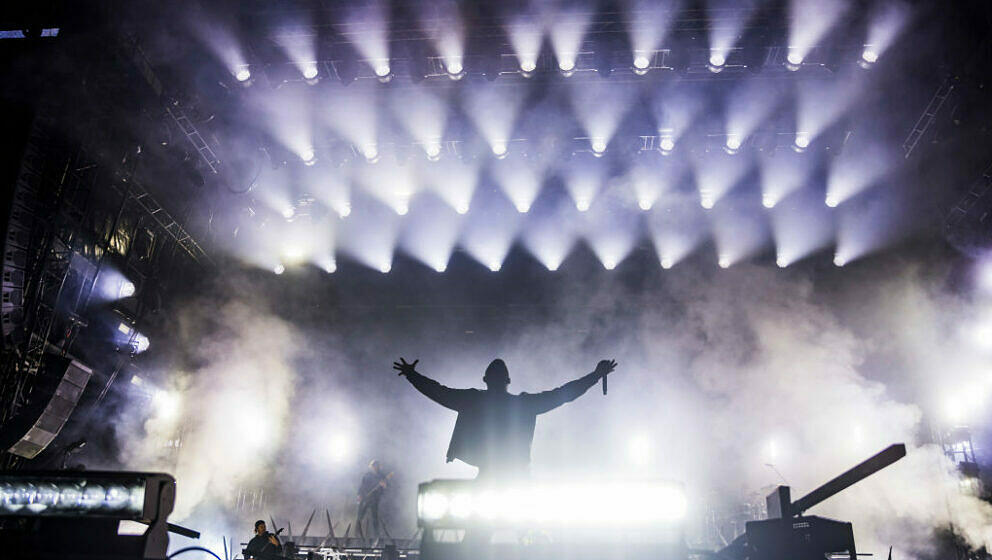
[[497, 377], [260, 527]]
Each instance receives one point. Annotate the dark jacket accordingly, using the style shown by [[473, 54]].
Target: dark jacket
[[260, 547], [494, 430]]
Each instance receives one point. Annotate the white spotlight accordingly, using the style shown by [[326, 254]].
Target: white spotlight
[[441, 267], [582, 204], [329, 265], [641, 62], [781, 262], [528, 65], [609, 263], [706, 202], [141, 343], [666, 263], [644, 204], [126, 289], [279, 269], [338, 448], [433, 150], [566, 65], [381, 68], [308, 156], [454, 66], [288, 212], [402, 209], [386, 267], [667, 144], [717, 59], [794, 57], [832, 201], [495, 266], [522, 207], [839, 261], [598, 146], [310, 71], [500, 149], [767, 201], [462, 208], [802, 141], [869, 55], [724, 262], [243, 74], [345, 210], [371, 153], [733, 142]]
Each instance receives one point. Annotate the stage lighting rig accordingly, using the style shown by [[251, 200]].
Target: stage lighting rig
[[61, 514]]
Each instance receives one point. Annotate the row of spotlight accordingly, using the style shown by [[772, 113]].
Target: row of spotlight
[[723, 261], [641, 64]]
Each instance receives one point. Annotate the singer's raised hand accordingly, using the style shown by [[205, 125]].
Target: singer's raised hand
[[404, 368]]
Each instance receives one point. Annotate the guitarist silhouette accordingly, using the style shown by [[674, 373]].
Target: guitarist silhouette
[[370, 491]]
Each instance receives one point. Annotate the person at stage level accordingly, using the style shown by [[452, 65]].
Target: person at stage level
[[494, 429], [264, 545], [370, 491]]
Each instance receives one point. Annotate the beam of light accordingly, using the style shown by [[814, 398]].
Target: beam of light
[[392, 184], [113, 285], [600, 107], [489, 236], [801, 226], [870, 225], [285, 115], [370, 237], [739, 230], [983, 274], [782, 175], [333, 190], [430, 233], [724, 31], [167, 404], [676, 111], [423, 115], [494, 113], [353, 116], [648, 180], [225, 46], [885, 23], [550, 240], [583, 180], [648, 24], [820, 103], [526, 34], [454, 181], [716, 174], [449, 40], [748, 106], [567, 28], [300, 48], [371, 34], [520, 182], [327, 263], [862, 164], [809, 22], [611, 233]]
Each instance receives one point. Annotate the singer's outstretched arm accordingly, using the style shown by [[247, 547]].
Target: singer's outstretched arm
[[539, 403]]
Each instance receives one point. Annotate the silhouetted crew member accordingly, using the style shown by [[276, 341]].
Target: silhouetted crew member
[[369, 493], [264, 545], [494, 429]]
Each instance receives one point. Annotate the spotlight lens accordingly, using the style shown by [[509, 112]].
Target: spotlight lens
[[308, 156], [802, 140], [499, 148], [707, 203], [382, 69], [733, 142], [641, 62], [838, 261], [644, 204], [528, 66], [781, 263], [832, 201], [455, 67], [495, 266], [794, 58], [371, 152], [566, 65], [599, 145], [279, 269], [386, 268], [582, 204], [288, 212], [242, 75], [126, 290], [433, 150], [768, 202], [667, 144], [345, 211], [717, 59], [869, 55], [724, 262], [310, 72], [666, 263]]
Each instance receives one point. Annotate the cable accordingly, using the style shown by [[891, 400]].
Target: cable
[[192, 548]]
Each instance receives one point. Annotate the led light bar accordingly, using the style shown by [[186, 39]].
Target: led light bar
[[460, 504], [123, 495]]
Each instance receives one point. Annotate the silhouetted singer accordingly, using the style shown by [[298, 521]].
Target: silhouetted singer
[[494, 429]]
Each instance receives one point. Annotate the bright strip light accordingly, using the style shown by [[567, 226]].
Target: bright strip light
[[460, 503]]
